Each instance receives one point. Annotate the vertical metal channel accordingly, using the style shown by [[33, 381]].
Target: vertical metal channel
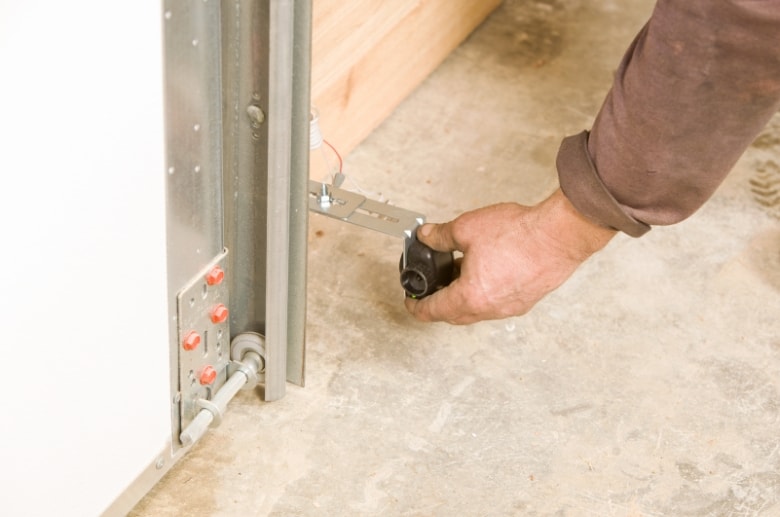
[[193, 133], [280, 87], [265, 132], [245, 79], [193, 117], [299, 191]]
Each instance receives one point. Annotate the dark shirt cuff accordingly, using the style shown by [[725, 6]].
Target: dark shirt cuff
[[581, 184]]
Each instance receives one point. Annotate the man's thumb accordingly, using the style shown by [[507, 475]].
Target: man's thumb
[[437, 236]]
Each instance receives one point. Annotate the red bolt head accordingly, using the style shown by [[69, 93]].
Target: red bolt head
[[207, 375], [219, 313], [191, 340], [215, 276]]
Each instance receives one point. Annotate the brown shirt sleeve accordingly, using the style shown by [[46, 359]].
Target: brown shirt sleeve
[[693, 91]]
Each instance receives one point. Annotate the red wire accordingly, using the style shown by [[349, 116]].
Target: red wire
[[341, 162]]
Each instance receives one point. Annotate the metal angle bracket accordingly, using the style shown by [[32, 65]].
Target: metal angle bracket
[[357, 209], [203, 339]]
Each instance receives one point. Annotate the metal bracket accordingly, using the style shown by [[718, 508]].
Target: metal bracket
[[202, 318], [357, 209], [243, 376]]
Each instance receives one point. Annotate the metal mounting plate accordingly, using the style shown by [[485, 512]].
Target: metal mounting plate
[[196, 303], [356, 209], [361, 211]]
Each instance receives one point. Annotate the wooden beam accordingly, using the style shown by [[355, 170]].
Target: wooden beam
[[368, 55]]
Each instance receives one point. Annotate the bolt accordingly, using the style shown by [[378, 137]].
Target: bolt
[[256, 115], [324, 198], [207, 375], [219, 313], [215, 276], [160, 463], [191, 340]]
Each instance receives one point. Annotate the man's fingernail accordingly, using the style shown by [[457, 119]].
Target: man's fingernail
[[426, 230]]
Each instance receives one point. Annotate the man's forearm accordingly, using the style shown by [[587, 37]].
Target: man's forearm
[[697, 85]]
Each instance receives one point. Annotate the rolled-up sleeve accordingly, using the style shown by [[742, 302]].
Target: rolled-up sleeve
[[694, 89]]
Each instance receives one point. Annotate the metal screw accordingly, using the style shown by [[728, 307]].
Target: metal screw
[[215, 276], [207, 375], [191, 340], [219, 314], [324, 198], [160, 463], [256, 115]]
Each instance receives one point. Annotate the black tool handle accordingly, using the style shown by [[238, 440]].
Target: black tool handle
[[426, 271]]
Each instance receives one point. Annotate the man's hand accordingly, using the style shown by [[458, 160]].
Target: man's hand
[[513, 255]]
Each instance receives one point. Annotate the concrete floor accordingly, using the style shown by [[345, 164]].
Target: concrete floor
[[648, 385]]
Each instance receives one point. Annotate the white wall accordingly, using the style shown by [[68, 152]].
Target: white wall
[[82, 263]]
